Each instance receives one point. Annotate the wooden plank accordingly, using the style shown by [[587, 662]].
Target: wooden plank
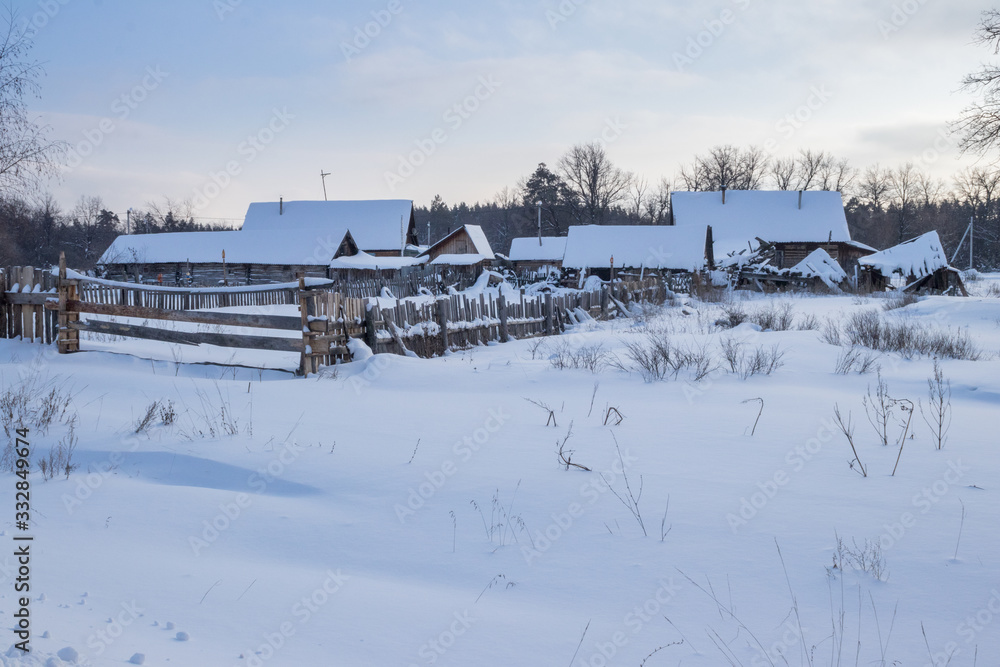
[[190, 337], [28, 299], [285, 323]]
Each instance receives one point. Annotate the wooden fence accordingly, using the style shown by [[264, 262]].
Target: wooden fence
[[326, 321], [23, 292]]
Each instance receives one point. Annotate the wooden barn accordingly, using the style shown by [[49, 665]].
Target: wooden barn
[[277, 241], [538, 256], [920, 262], [463, 252], [792, 223], [611, 251]]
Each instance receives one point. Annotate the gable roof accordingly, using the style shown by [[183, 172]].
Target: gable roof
[[774, 216], [480, 245], [303, 246], [377, 225], [918, 257], [527, 249], [635, 246]]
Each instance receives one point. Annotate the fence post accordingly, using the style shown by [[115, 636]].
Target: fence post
[[502, 312], [371, 338], [69, 339], [442, 318], [305, 360], [605, 298], [549, 328]]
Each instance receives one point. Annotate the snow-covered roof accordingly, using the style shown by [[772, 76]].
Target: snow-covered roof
[[300, 246], [649, 246], [774, 216], [918, 257], [365, 261], [819, 264], [480, 245], [375, 224], [459, 260], [527, 249]]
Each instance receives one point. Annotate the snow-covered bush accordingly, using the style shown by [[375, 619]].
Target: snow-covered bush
[[656, 356], [871, 330], [40, 404]]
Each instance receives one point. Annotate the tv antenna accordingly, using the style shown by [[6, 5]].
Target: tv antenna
[[323, 175]]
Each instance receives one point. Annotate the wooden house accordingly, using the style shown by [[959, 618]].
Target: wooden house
[[537, 256], [920, 262], [277, 241], [608, 251], [465, 251], [794, 223]]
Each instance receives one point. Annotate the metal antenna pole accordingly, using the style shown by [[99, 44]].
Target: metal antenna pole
[[323, 175]]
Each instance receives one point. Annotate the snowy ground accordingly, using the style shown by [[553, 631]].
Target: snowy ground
[[414, 512]]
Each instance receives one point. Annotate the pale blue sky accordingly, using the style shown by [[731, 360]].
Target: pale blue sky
[[531, 79]]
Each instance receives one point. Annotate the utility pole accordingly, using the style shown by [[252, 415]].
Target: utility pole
[[322, 176], [128, 220], [539, 205]]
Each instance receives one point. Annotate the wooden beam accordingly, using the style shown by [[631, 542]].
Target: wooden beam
[[190, 337], [284, 323]]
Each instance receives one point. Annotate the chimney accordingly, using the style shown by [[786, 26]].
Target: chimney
[[723, 196], [800, 200], [281, 205]]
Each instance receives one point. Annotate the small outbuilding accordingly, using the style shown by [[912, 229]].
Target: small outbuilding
[[920, 262], [609, 250], [538, 256]]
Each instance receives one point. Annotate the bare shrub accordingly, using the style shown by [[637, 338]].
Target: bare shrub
[[808, 323], [879, 407], [856, 359], [898, 300], [60, 457], [656, 357], [36, 403], [773, 317], [830, 332], [746, 362], [938, 413], [593, 358], [847, 428], [733, 315], [869, 329], [867, 557]]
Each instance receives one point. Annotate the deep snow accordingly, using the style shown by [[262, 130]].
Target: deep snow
[[402, 511]]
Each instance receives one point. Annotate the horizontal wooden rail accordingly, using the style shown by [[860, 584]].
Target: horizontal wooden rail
[[189, 337], [285, 323]]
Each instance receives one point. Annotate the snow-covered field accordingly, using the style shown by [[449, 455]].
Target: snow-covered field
[[415, 512]]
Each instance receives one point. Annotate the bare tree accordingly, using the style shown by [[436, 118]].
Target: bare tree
[[636, 198], [783, 171], [979, 123], [810, 166], [874, 187], [837, 175], [727, 168], [597, 183], [27, 156], [904, 193], [658, 203]]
